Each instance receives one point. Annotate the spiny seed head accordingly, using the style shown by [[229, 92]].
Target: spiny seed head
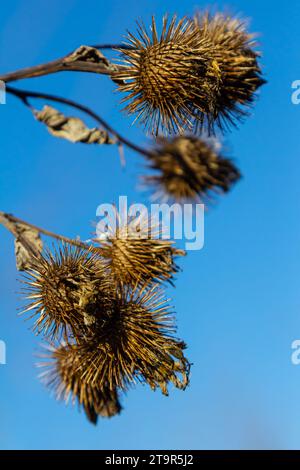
[[66, 288], [136, 253], [189, 168], [186, 76], [63, 374], [138, 344], [234, 74], [162, 75]]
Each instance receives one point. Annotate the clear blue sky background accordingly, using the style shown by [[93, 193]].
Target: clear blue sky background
[[237, 300]]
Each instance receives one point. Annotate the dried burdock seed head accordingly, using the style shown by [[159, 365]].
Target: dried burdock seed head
[[138, 344], [198, 71], [66, 289], [189, 168], [164, 75], [63, 374], [136, 253], [234, 74]]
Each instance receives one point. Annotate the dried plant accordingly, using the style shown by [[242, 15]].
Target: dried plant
[[136, 253], [63, 374], [71, 128], [63, 287], [115, 334], [196, 71], [134, 342], [234, 74], [104, 298], [189, 168], [162, 75]]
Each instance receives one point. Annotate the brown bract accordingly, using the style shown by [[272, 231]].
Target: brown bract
[[189, 168], [137, 254], [234, 74], [114, 334], [198, 71], [162, 75], [63, 374], [136, 345], [66, 289]]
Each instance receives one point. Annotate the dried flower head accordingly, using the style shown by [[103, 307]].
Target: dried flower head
[[136, 252], [234, 74], [189, 168], [66, 289], [163, 75], [137, 344], [63, 375], [188, 75]]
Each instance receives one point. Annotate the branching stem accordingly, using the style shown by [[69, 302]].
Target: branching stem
[[12, 223], [62, 64], [24, 95]]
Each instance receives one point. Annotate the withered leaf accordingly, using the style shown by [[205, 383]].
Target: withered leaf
[[87, 54], [33, 239], [91, 55], [71, 128]]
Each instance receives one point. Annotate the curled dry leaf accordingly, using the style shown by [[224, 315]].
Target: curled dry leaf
[[91, 55], [32, 238], [87, 54], [71, 128]]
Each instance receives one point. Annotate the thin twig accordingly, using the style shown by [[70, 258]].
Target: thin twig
[[11, 222], [62, 64], [24, 95], [113, 46], [13, 227]]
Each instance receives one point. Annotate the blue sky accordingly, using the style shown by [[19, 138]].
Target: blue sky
[[237, 300]]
